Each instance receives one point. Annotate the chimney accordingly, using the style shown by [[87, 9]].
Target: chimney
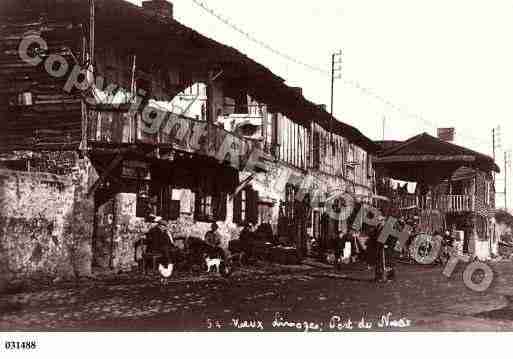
[[159, 7], [446, 134]]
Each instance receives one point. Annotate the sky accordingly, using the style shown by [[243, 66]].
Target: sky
[[422, 64]]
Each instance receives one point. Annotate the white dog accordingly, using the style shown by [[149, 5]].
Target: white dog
[[213, 264]]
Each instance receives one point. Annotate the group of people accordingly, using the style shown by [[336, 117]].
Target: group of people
[[376, 254], [159, 241]]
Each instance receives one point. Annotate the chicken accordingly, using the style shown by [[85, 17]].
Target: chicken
[[165, 272]]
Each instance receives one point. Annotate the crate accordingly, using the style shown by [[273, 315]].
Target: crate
[[285, 255]]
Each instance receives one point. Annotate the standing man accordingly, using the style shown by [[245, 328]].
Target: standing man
[[247, 238], [380, 255]]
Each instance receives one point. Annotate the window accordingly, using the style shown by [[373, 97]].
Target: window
[[290, 200], [23, 99], [369, 166], [487, 193], [245, 206], [316, 224], [143, 204], [210, 207], [265, 212], [316, 151], [165, 206]]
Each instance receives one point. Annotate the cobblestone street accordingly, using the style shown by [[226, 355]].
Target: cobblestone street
[[268, 297]]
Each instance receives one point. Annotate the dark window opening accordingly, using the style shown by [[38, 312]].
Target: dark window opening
[[210, 207]]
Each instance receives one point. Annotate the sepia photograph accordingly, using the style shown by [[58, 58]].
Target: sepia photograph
[[222, 166]]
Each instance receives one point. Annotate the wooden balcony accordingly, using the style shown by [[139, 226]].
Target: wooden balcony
[[444, 203], [121, 128]]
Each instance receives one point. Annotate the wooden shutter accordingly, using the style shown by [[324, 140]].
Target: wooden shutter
[[222, 207], [237, 204], [253, 206], [219, 206], [197, 206], [174, 210]]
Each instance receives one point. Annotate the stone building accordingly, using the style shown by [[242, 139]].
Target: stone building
[[110, 111]]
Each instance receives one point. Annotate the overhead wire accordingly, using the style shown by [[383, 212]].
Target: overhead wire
[[325, 72]]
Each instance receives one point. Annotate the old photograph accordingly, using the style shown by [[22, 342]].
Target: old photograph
[[255, 166]]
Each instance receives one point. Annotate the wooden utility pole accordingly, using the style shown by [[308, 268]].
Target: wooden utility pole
[[336, 59], [493, 142], [506, 160], [91, 31]]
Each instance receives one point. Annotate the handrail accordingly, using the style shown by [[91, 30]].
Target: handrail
[[446, 203]]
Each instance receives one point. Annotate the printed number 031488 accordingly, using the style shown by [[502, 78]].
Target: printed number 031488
[[20, 345]]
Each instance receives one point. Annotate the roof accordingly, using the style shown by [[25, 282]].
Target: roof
[[427, 156], [161, 41], [386, 145]]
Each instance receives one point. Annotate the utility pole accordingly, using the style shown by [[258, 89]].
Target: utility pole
[[493, 142], [505, 181], [507, 162], [496, 143], [336, 73], [91, 31]]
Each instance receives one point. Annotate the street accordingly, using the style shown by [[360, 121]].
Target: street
[[266, 297]]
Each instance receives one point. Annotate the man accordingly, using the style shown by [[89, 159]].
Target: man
[[378, 256], [340, 244], [158, 240], [352, 238], [247, 237], [213, 239], [265, 231]]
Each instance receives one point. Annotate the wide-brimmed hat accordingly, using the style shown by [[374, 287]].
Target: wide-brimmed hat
[[153, 218], [162, 222]]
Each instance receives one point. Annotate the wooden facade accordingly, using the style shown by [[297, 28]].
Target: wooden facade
[[133, 68]]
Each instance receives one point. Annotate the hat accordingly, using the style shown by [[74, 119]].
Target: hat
[[153, 218]]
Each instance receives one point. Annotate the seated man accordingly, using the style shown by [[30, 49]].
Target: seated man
[[213, 239], [159, 241]]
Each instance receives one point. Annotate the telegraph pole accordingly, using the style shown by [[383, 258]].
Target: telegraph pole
[[507, 162], [493, 142], [496, 143], [336, 73], [505, 181]]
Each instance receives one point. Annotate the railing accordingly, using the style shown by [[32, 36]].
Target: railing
[[445, 203], [249, 111], [457, 203], [121, 127]]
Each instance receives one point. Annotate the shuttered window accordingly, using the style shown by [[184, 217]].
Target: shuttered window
[[210, 207], [245, 206], [165, 206]]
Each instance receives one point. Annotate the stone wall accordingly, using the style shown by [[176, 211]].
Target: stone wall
[[46, 222]]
